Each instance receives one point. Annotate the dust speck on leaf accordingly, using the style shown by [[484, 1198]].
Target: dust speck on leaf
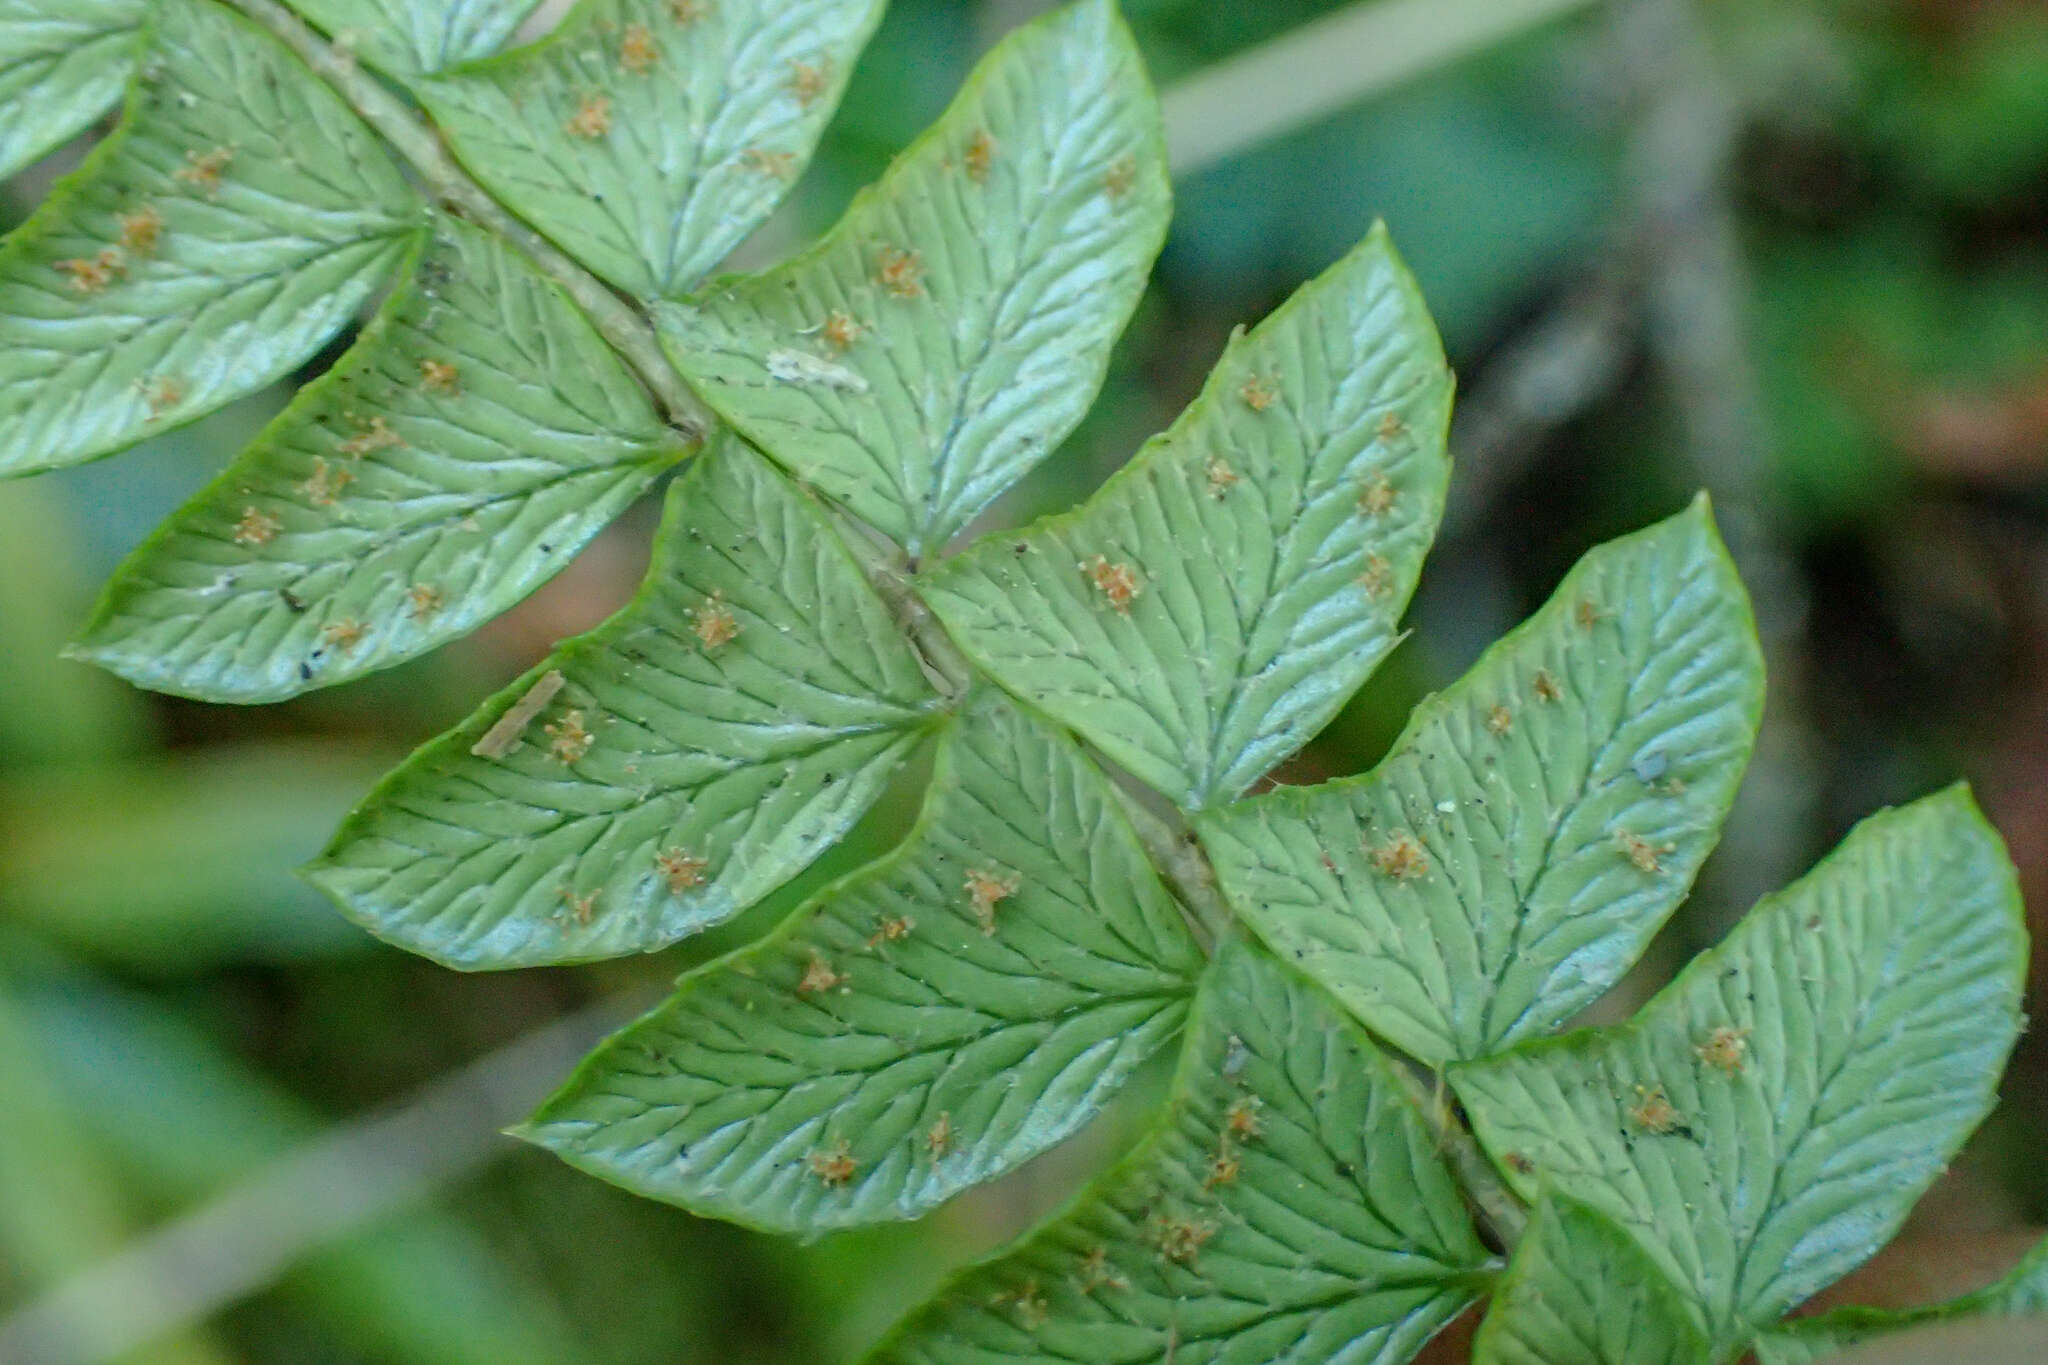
[[1222, 478], [980, 156]]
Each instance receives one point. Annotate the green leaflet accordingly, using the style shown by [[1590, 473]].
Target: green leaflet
[[477, 434], [663, 772], [1535, 823], [1217, 601], [2023, 1292], [924, 1025], [1580, 1292], [1291, 1208], [647, 137], [1764, 1124], [954, 326], [63, 63], [414, 37], [236, 220]]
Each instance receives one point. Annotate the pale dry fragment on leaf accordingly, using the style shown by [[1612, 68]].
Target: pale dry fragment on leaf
[[499, 739]]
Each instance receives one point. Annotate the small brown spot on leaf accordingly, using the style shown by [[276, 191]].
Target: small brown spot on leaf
[[1258, 394], [1391, 427], [163, 394], [833, 1166], [1181, 1239], [900, 272], [773, 164], [986, 888], [1519, 1164], [256, 527], [1377, 498], [637, 50], [1724, 1049], [891, 929], [818, 976], [1096, 1273], [1652, 1112], [377, 435], [808, 81], [582, 907], [680, 870], [938, 1139], [425, 599], [1222, 478], [91, 276], [593, 117], [440, 377], [344, 634], [203, 172], [714, 623], [841, 329], [1588, 613], [327, 483], [568, 739], [1546, 686], [980, 156], [1118, 583], [1499, 720], [1121, 177], [1242, 1122], [1641, 851], [142, 230], [1378, 578], [688, 12], [1401, 859], [1223, 1169]]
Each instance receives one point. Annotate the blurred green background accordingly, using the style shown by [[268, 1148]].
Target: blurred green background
[[1793, 251]]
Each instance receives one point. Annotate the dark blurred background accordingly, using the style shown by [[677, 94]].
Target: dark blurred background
[[1791, 251]]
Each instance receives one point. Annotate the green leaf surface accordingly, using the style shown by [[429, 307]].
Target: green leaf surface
[[1291, 1208], [476, 435], [63, 63], [1579, 1291], [955, 324], [1536, 822], [661, 773], [1217, 601], [922, 1026], [648, 137], [414, 37], [1765, 1123], [237, 219], [2023, 1292]]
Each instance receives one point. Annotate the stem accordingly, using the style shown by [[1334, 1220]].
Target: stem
[[418, 143], [1180, 860], [888, 572], [1502, 1214]]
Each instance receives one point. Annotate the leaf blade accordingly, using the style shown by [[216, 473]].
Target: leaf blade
[[417, 37], [1579, 1291], [1272, 535], [954, 325], [1340, 1236], [624, 136], [174, 271], [1799, 1126], [63, 63], [659, 774], [2020, 1292], [928, 1034], [476, 434], [1457, 906]]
